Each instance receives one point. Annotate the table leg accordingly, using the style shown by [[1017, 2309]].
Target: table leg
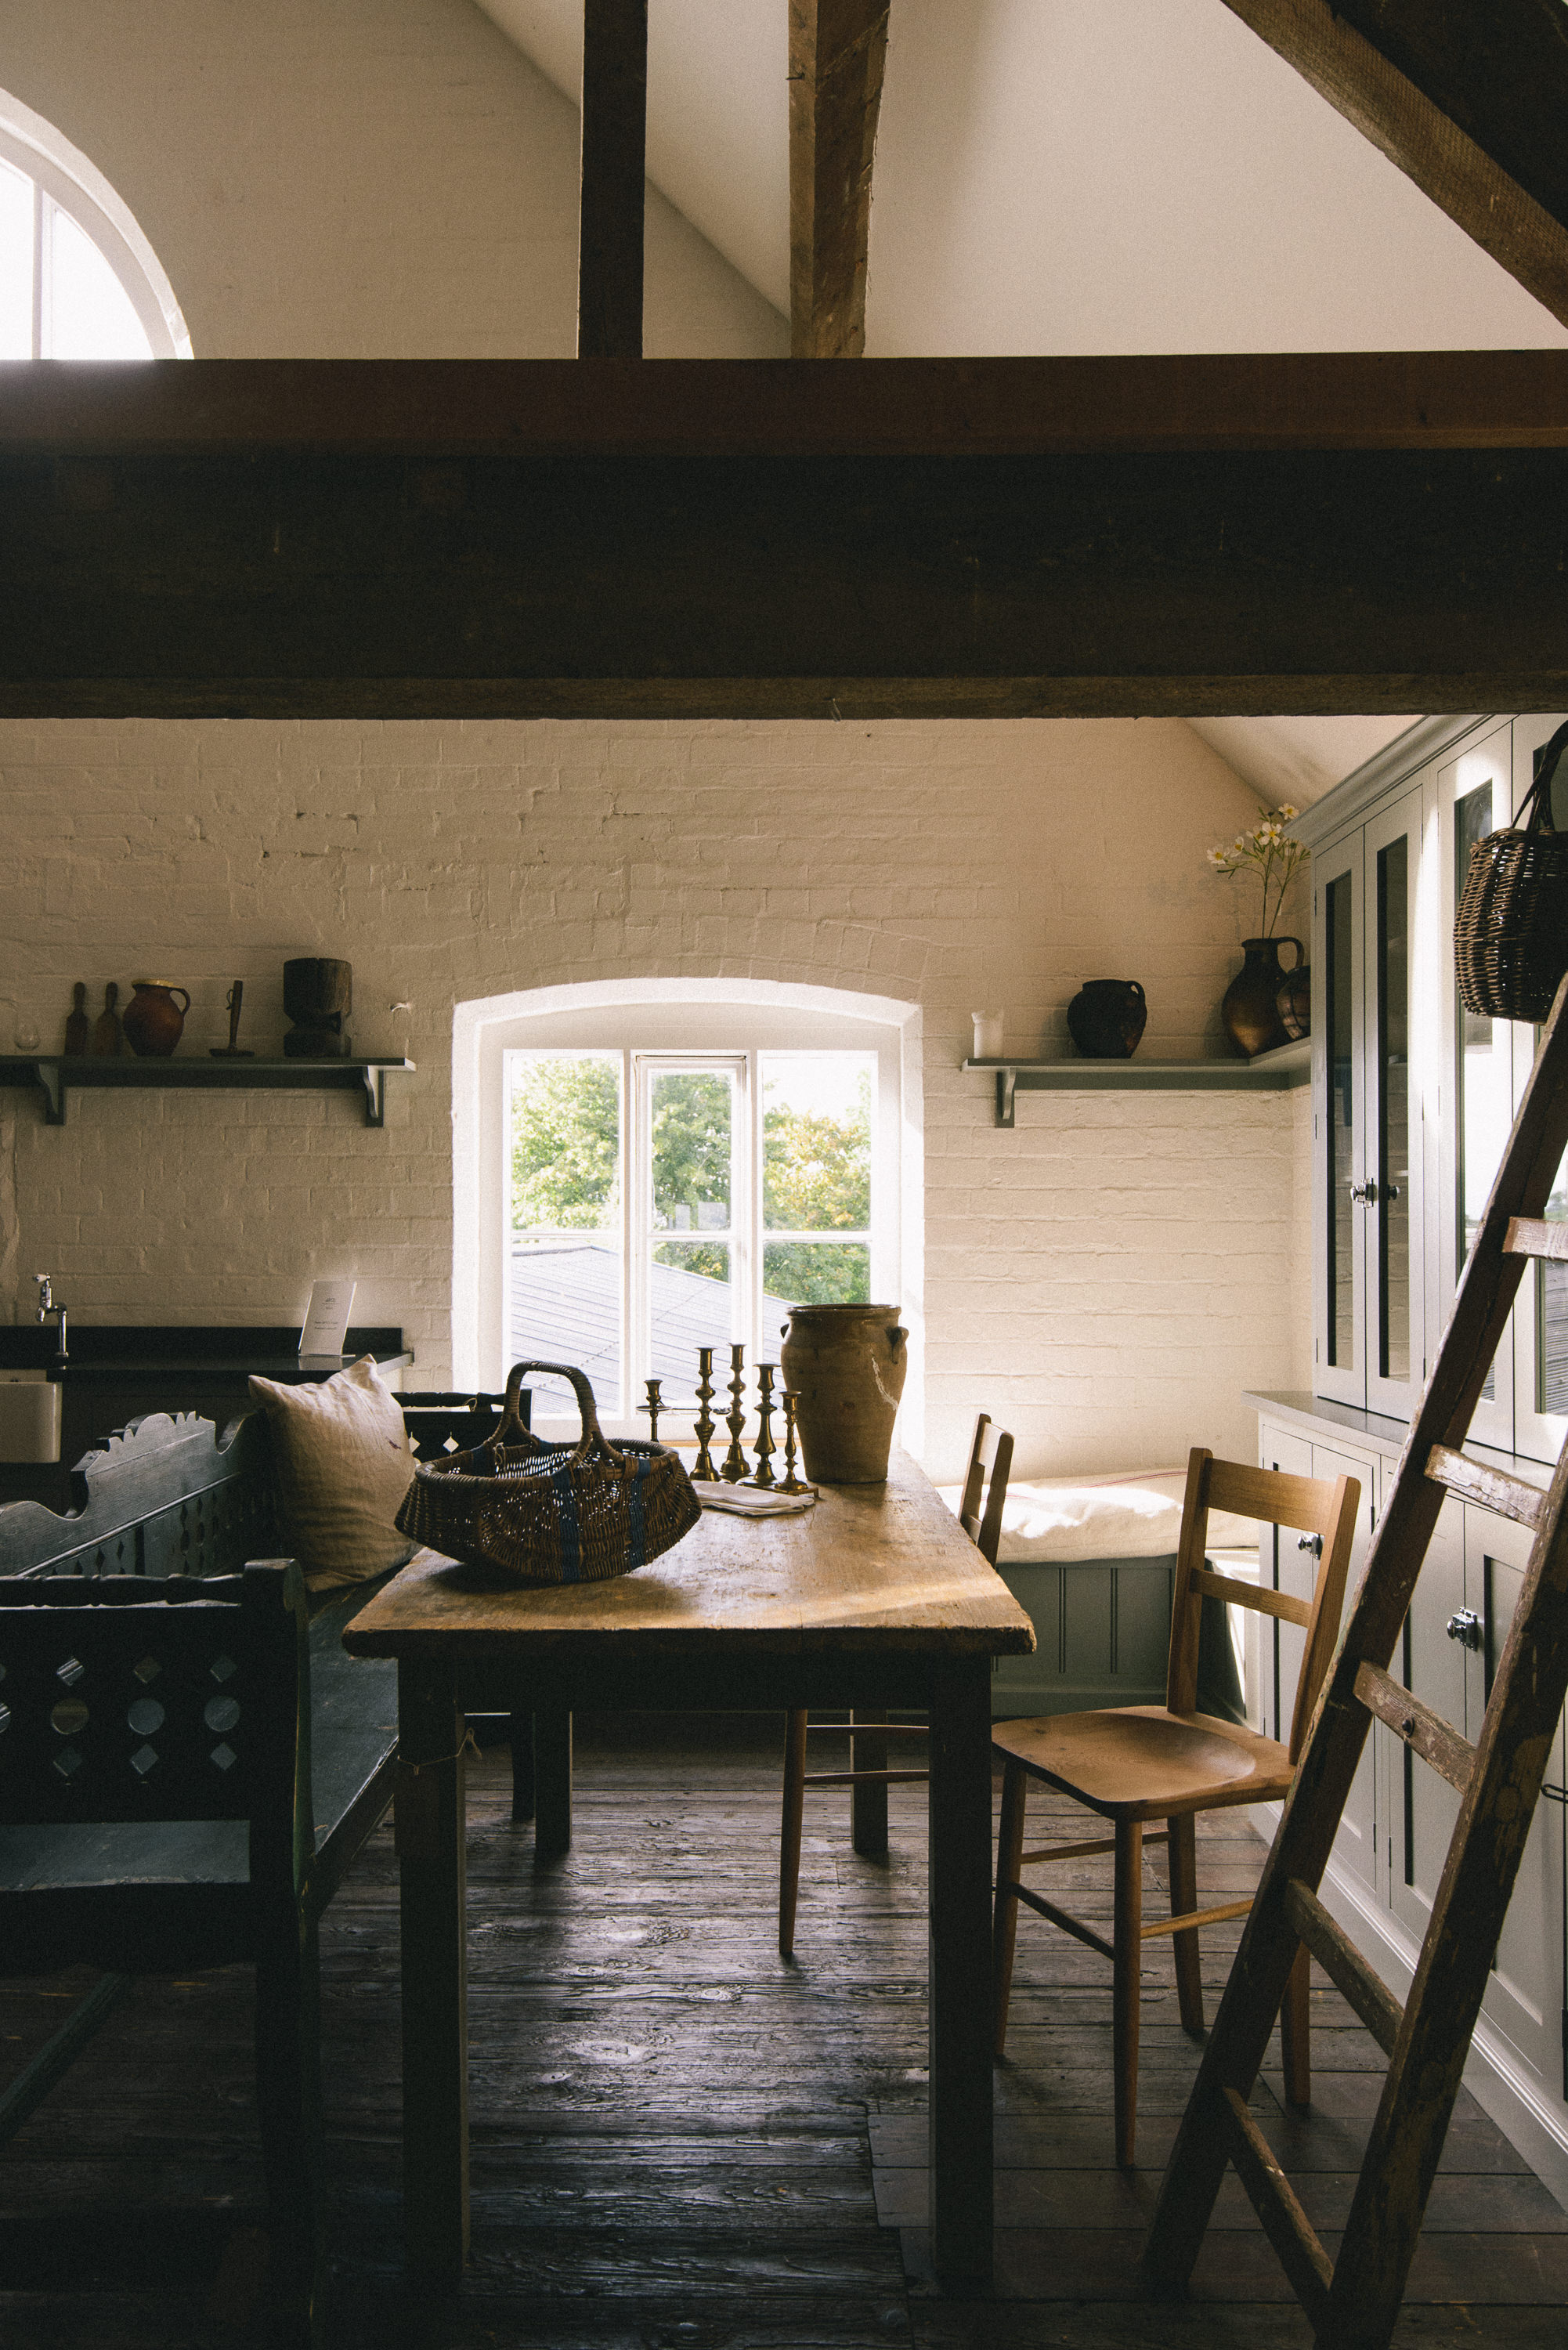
[[431, 1864], [868, 1797], [961, 2126], [552, 1781]]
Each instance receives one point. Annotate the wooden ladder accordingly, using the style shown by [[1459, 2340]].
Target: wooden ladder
[[1353, 2303]]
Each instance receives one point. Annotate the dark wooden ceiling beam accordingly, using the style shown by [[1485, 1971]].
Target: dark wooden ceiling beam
[[614, 179], [1006, 539], [837, 50], [1469, 100]]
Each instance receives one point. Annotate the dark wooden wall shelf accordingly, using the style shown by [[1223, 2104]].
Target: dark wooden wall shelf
[[1275, 1072], [56, 1076]]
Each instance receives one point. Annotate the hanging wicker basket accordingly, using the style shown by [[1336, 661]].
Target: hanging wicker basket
[[551, 1513], [1511, 933]]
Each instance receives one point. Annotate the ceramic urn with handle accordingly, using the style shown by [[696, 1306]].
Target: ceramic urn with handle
[[154, 1022], [847, 1365]]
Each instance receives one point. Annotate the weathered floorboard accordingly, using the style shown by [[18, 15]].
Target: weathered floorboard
[[678, 2139]]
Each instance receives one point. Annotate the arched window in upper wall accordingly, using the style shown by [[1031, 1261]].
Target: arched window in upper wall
[[77, 278]]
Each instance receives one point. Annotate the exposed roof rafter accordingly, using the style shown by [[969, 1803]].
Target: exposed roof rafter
[[838, 49], [1469, 102]]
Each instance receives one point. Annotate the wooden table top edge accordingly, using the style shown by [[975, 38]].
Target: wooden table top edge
[[981, 1616]]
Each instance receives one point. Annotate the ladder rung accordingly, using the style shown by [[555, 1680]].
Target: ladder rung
[[849, 1778], [1508, 1497], [1286, 2224], [1194, 1919], [1252, 1595], [1344, 1965], [1528, 1236], [1069, 1924], [1425, 1733]]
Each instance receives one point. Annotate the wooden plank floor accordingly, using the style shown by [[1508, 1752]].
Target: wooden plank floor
[[680, 2141]]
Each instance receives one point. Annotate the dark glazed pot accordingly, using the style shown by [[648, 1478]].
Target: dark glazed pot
[[847, 1365], [1293, 1004], [1249, 1006], [1106, 1017], [154, 1022]]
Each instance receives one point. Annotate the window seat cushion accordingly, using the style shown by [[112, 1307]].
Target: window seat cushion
[[1136, 1514]]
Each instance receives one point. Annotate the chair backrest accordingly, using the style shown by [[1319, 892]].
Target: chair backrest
[[126, 1698], [980, 1509], [1312, 1505]]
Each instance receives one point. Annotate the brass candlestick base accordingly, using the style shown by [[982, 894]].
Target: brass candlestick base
[[706, 1424], [733, 1470], [763, 1474], [789, 1482], [653, 1407]]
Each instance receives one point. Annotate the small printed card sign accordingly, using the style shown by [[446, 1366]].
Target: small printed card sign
[[326, 1323]]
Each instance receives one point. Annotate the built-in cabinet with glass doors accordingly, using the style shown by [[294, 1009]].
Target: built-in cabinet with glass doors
[[1412, 1100]]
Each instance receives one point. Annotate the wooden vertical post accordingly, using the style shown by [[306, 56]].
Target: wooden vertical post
[[961, 1963], [615, 146], [837, 52]]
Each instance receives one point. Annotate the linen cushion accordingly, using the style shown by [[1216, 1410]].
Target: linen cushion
[[1135, 1516], [344, 1465]]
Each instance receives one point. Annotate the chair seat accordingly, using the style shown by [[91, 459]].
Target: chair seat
[[1144, 1763]]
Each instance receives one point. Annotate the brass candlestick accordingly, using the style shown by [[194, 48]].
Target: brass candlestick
[[653, 1407], [763, 1474], [734, 1463], [706, 1423], [789, 1482]]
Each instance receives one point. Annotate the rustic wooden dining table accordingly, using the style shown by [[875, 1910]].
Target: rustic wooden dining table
[[874, 1598]]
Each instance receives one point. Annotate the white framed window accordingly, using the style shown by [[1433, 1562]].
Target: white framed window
[[641, 1169], [79, 280], [661, 1201]]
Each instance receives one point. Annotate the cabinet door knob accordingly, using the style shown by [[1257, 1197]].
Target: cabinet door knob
[[1366, 1193], [1313, 1543], [1468, 1626]]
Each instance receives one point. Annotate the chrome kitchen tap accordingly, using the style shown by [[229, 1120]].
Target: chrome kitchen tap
[[48, 1311]]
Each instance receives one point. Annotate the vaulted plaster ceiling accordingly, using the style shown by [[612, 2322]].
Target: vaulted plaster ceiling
[[1058, 176], [1067, 175]]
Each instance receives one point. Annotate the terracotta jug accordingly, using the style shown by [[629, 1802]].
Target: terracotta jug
[[847, 1365], [154, 1022], [1106, 1017], [1249, 1007]]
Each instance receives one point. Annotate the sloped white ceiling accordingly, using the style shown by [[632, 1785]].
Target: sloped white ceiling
[[1296, 759], [1067, 175]]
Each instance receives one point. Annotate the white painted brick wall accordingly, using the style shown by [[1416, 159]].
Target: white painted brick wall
[[1105, 1278]]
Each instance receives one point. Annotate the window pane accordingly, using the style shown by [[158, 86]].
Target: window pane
[[16, 265], [692, 1117], [566, 1141], [565, 1304], [816, 1141], [1338, 942], [691, 1304], [812, 1272], [1484, 1106], [91, 313], [566, 1308], [1392, 1113]]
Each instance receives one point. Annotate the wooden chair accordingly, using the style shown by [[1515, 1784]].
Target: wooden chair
[[1136, 1763], [980, 1515]]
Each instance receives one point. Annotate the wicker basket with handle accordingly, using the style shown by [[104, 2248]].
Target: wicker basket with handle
[[551, 1513], [1511, 933]]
